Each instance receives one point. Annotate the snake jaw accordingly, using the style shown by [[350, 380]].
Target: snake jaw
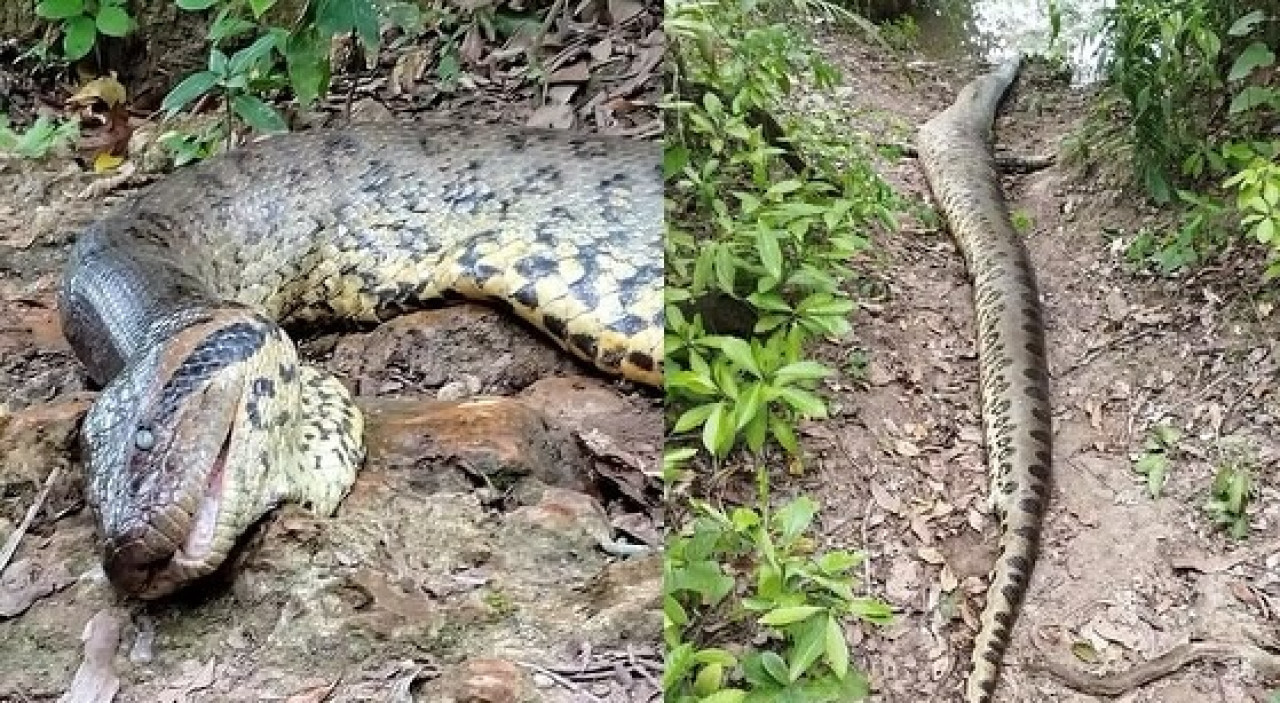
[[191, 470], [159, 550]]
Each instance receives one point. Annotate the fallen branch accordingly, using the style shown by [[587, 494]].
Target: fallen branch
[[1168, 663]]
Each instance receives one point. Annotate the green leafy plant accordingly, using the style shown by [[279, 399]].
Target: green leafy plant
[[1257, 187], [1021, 220], [1197, 86], [43, 137], [296, 58], [188, 147], [235, 78], [1229, 496], [1154, 461], [741, 227], [83, 20], [795, 600]]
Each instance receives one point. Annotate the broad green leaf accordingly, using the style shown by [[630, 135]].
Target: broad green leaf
[[260, 7], [709, 679], [257, 114], [1254, 96], [715, 428], [838, 561], [775, 666], [1246, 23], [739, 352], [693, 417], [704, 578], [804, 402], [1256, 55], [79, 37], [795, 517], [113, 21], [810, 643], [871, 610], [715, 655], [800, 371], [191, 87], [341, 16], [728, 695], [785, 434], [836, 648], [787, 616], [196, 5], [770, 252], [750, 405], [59, 9], [245, 59]]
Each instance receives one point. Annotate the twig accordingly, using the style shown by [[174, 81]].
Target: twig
[[562, 680], [11, 544]]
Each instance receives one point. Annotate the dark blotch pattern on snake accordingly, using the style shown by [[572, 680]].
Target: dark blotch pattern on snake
[[176, 301], [955, 151]]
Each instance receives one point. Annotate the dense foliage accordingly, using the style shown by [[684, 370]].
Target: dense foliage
[[761, 228], [1198, 84]]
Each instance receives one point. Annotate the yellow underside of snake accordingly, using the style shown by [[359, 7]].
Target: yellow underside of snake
[[955, 151], [177, 299]]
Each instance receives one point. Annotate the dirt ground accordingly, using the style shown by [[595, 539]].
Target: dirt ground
[[899, 469], [500, 543]]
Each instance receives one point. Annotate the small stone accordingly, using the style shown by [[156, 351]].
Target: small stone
[[492, 681]]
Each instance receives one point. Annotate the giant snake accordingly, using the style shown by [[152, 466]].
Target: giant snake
[[955, 151], [177, 300]]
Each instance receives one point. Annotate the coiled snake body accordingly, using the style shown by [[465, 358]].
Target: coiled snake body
[[955, 152], [176, 299]]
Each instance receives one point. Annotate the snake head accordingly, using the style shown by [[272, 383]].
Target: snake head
[[179, 452]]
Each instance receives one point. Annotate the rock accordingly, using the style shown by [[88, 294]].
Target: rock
[[575, 517], [427, 350], [497, 440], [32, 439], [583, 405], [625, 600], [492, 681]]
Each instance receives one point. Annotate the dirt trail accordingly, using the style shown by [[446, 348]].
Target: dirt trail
[[1122, 577]]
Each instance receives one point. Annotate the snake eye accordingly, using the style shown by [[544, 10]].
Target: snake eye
[[143, 439]]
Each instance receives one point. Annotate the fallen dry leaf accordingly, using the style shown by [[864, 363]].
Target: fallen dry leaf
[[24, 583], [316, 694], [96, 680], [552, 117], [106, 88]]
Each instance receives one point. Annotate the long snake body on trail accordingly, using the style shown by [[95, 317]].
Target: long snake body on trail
[[955, 151], [177, 299]]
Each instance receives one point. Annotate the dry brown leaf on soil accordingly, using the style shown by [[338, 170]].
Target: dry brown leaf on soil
[[552, 117], [25, 582], [621, 11], [315, 694], [96, 680]]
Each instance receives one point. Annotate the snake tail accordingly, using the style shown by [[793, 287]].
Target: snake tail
[[956, 155]]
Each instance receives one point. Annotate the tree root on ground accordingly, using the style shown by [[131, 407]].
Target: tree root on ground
[[1118, 683]]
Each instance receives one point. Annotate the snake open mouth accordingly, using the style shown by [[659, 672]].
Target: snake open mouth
[[175, 546], [205, 521]]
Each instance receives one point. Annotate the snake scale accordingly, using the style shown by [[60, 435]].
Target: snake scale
[[177, 300], [955, 151]]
